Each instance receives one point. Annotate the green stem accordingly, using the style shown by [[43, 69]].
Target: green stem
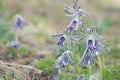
[[90, 70], [100, 66]]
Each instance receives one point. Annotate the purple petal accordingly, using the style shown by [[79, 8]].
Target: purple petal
[[19, 22], [90, 44], [61, 41], [66, 58], [63, 60], [99, 46], [87, 58], [73, 25]]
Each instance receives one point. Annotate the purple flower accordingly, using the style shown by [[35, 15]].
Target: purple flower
[[64, 59], [89, 54], [87, 58], [73, 25], [61, 41], [19, 22], [93, 48], [14, 44]]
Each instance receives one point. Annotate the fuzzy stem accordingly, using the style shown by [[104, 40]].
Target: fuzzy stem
[[16, 33], [91, 21], [90, 70], [100, 66]]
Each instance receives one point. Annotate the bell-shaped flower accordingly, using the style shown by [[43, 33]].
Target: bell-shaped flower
[[14, 44], [73, 25], [19, 22], [88, 56], [64, 59], [61, 41]]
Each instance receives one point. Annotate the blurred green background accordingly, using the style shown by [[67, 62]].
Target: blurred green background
[[45, 17]]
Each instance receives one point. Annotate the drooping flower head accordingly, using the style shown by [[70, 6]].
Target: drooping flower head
[[64, 59], [15, 44], [19, 22], [99, 41], [76, 14], [89, 54], [73, 25], [93, 48], [61, 41]]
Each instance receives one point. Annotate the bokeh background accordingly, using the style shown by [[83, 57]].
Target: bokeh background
[[47, 17]]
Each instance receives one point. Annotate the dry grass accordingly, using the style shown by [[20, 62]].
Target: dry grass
[[12, 71]]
